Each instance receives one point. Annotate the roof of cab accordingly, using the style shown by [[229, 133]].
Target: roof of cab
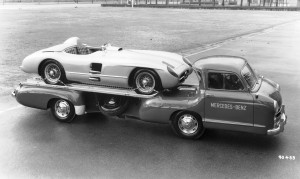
[[221, 63]]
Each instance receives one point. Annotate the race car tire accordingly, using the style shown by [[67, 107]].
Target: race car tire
[[112, 105], [63, 110], [146, 81], [53, 73], [187, 125]]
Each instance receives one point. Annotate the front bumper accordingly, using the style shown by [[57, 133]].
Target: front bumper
[[279, 127]]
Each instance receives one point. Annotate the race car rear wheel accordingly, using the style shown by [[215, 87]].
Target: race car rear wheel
[[112, 105], [63, 110], [187, 125], [53, 73], [145, 81]]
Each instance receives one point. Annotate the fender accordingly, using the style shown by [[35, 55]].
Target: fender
[[39, 97]]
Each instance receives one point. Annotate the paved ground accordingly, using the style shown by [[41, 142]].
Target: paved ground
[[32, 144]]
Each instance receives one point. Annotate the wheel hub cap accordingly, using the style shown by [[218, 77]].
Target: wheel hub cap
[[52, 73], [112, 101], [62, 109], [145, 82], [188, 124]]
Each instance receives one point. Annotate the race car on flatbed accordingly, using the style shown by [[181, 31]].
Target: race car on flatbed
[[73, 61], [223, 92]]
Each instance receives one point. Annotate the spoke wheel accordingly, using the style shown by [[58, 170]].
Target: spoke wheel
[[145, 81], [52, 72]]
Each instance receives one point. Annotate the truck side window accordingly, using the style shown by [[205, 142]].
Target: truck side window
[[232, 82], [215, 80]]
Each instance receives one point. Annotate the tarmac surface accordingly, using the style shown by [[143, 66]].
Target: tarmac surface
[[34, 145]]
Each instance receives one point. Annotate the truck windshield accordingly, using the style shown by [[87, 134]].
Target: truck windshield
[[249, 76]]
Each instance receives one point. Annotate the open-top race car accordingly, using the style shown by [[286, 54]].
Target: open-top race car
[[73, 61]]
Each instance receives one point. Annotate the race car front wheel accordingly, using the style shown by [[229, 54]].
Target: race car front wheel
[[187, 125], [145, 81], [63, 110], [53, 73]]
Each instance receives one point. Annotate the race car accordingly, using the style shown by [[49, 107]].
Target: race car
[[143, 70]]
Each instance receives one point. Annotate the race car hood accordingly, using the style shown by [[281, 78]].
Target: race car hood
[[271, 89]]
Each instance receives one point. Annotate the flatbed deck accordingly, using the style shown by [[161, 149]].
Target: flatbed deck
[[88, 88]]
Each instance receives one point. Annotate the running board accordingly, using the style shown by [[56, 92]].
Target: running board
[[38, 82]]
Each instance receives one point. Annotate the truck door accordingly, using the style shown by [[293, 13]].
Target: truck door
[[226, 100]]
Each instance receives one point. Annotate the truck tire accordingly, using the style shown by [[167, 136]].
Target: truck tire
[[112, 105], [187, 125], [63, 110]]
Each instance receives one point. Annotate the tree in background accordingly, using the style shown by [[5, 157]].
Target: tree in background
[[199, 2]]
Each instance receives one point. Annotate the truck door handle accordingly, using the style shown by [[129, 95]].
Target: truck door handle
[[210, 95]]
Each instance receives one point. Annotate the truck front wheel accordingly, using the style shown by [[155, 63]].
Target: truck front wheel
[[187, 125], [63, 110]]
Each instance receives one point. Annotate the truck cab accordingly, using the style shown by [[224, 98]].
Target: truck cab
[[236, 98]]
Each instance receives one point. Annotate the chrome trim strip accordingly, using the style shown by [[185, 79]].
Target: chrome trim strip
[[111, 76], [257, 125], [94, 78], [78, 73], [228, 122]]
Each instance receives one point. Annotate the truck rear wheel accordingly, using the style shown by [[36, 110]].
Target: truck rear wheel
[[63, 110], [112, 105], [188, 125]]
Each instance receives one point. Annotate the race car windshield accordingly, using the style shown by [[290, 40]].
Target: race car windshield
[[249, 76]]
